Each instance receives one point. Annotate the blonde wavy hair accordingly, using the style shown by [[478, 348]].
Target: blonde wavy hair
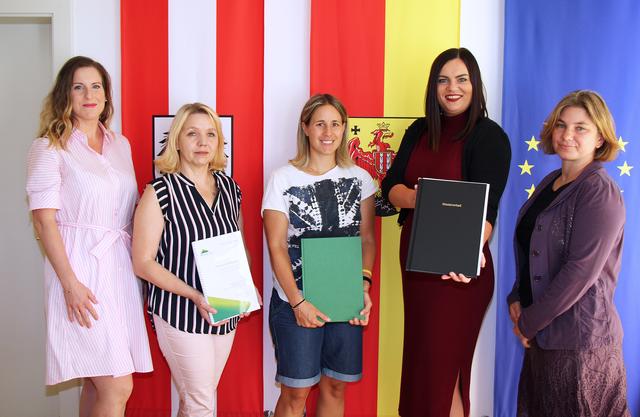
[[169, 161], [303, 148], [56, 118]]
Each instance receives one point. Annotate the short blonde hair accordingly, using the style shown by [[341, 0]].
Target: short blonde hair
[[303, 149], [169, 161], [599, 114]]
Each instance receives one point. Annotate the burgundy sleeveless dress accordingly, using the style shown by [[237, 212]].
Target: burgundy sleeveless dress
[[442, 318]]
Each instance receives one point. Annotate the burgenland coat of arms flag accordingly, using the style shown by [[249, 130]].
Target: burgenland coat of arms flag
[[372, 144]]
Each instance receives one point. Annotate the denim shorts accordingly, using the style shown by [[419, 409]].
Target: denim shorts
[[302, 354]]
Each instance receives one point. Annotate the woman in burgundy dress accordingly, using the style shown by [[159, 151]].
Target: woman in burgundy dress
[[443, 314]]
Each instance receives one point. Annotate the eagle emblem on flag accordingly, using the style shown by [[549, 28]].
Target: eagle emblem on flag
[[379, 152]]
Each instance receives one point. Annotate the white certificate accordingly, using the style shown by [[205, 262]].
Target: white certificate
[[225, 276]]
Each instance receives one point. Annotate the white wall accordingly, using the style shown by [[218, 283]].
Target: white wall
[[96, 33]]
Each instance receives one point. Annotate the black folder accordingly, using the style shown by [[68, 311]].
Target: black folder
[[448, 227]]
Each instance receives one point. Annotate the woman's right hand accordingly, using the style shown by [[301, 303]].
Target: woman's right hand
[[204, 308], [80, 301], [307, 315], [402, 196], [514, 312], [515, 309]]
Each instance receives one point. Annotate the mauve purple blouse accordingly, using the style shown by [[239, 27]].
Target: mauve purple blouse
[[574, 261]]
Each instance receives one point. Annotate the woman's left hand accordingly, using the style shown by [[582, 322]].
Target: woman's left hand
[[366, 311], [460, 277], [246, 314]]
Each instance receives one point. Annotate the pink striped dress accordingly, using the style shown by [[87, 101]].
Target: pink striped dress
[[95, 196]]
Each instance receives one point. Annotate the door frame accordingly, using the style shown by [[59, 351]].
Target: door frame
[[58, 12]]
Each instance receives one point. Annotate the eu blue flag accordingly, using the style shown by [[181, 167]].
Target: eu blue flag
[[553, 47]]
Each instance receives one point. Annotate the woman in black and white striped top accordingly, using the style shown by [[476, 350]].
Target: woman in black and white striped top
[[194, 200], [187, 218]]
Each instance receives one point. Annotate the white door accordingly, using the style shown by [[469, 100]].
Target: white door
[[25, 78]]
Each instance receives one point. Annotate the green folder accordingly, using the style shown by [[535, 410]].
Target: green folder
[[332, 276]]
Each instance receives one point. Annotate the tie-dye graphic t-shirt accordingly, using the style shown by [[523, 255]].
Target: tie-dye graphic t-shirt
[[325, 205]]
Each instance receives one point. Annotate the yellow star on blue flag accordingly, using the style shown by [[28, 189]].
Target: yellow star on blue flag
[[622, 144], [625, 169], [525, 168], [533, 143], [530, 190]]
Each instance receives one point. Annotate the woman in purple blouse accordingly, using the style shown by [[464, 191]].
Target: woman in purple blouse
[[568, 243]]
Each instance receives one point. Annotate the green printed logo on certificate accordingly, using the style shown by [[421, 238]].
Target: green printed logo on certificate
[[332, 276]]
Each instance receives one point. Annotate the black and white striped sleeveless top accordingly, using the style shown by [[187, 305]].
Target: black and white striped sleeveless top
[[188, 218]]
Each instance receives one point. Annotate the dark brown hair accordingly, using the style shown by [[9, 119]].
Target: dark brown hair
[[477, 108]]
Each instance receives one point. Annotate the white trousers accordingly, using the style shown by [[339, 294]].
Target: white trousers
[[196, 362]]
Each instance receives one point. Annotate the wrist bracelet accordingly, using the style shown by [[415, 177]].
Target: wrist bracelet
[[298, 304], [366, 278], [367, 273]]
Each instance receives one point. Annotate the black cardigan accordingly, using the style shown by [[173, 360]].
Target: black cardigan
[[486, 158]]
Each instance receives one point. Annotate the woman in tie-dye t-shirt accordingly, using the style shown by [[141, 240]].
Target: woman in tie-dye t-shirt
[[320, 193]]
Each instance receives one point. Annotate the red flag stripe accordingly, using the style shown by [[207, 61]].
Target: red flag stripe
[[240, 45], [145, 77], [144, 93], [347, 60], [347, 53]]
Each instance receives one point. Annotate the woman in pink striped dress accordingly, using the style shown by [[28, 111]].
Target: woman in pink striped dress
[[82, 193]]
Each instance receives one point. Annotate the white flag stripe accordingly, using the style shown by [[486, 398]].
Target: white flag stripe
[[487, 46], [192, 69], [482, 32], [286, 88], [192, 53], [96, 34]]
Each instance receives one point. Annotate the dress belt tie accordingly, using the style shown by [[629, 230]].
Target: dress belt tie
[[110, 237]]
